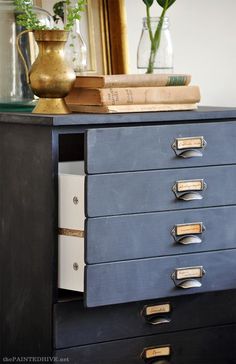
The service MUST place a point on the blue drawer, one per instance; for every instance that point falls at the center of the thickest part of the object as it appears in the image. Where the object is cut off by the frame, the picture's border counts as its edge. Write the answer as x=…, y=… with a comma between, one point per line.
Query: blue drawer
x=160, y=147
x=149, y=191
x=136, y=280
x=138, y=236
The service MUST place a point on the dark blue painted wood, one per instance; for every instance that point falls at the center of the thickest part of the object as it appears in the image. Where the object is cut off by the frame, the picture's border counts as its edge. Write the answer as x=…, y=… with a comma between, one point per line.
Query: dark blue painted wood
x=136, y=280
x=148, y=235
x=73, y=323
x=214, y=345
x=202, y=114
x=28, y=243
x=124, y=193
x=150, y=147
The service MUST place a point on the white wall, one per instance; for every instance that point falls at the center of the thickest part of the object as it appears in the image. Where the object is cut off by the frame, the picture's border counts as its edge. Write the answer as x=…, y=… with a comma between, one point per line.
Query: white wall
x=204, y=40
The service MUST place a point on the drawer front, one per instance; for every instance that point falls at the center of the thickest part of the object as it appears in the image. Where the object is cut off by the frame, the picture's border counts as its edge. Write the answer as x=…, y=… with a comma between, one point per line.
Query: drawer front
x=74, y=325
x=124, y=193
x=164, y=233
x=151, y=147
x=136, y=280
x=214, y=345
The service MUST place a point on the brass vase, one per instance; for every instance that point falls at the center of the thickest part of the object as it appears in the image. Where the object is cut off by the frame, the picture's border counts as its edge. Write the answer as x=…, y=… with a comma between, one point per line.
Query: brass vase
x=51, y=78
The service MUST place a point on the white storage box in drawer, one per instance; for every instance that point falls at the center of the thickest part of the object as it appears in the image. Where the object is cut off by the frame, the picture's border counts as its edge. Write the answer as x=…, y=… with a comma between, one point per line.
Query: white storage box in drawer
x=71, y=263
x=71, y=195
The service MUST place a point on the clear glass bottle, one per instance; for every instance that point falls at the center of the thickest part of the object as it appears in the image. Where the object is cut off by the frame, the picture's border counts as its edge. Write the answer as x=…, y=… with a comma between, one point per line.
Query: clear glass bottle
x=162, y=61
x=14, y=90
x=76, y=50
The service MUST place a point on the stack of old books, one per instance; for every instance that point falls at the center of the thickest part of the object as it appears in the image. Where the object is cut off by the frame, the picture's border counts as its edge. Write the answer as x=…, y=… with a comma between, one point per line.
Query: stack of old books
x=133, y=93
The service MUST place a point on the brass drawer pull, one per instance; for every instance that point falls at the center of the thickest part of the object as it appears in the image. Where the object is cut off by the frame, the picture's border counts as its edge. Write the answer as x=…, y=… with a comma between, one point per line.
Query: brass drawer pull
x=157, y=314
x=189, y=190
x=186, y=278
x=189, y=147
x=188, y=234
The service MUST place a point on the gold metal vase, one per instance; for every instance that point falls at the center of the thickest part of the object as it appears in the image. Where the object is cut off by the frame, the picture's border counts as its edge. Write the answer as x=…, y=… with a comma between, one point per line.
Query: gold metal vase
x=50, y=77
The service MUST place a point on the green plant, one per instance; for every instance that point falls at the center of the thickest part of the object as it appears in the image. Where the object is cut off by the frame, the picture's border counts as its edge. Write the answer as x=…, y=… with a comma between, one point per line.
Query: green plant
x=155, y=37
x=28, y=19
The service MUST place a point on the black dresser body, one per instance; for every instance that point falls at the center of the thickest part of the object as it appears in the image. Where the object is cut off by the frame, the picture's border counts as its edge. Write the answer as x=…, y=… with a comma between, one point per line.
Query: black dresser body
x=160, y=238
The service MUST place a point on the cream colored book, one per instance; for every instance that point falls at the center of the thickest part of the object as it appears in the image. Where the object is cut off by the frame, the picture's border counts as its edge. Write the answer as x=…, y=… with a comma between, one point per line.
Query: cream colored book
x=130, y=108
x=134, y=95
x=132, y=80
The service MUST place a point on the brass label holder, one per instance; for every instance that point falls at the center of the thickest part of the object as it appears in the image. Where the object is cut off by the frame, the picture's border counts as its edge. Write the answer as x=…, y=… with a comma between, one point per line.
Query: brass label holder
x=189, y=147
x=156, y=352
x=186, y=277
x=157, y=309
x=157, y=314
x=189, y=190
x=187, y=234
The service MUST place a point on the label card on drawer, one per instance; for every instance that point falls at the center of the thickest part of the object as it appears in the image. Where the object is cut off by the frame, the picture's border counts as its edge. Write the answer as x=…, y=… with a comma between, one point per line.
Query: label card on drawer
x=157, y=309
x=191, y=272
x=190, y=185
x=186, y=229
x=187, y=143
x=156, y=352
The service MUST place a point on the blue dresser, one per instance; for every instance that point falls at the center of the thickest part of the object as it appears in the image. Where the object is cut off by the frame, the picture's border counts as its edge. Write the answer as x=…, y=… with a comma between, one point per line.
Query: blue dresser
x=160, y=238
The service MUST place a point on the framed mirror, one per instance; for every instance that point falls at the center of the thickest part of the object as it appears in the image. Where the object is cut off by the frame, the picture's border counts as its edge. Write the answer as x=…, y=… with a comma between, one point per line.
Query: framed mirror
x=104, y=29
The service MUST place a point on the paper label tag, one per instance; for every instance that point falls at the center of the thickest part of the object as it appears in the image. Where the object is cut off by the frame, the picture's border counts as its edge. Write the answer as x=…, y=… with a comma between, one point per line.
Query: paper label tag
x=187, y=229
x=192, y=185
x=194, y=272
x=154, y=310
x=157, y=352
x=189, y=143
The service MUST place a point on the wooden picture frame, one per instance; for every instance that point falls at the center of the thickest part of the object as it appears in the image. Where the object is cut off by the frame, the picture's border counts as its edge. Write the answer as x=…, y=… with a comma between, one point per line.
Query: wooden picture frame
x=105, y=27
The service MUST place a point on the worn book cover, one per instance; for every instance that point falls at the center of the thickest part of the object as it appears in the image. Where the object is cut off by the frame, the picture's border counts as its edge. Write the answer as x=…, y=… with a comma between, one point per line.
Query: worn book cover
x=134, y=95
x=129, y=80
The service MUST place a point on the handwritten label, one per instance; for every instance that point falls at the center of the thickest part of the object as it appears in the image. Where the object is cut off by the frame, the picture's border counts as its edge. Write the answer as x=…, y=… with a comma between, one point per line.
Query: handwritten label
x=189, y=143
x=153, y=310
x=193, y=185
x=157, y=352
x=187, y=229
x=183, y=273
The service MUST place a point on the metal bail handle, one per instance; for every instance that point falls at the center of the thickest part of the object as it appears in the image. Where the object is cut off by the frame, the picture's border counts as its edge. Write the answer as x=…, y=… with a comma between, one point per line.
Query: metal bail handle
x=21, y=53
x=191, y=194
x=186, y=278
x=192, y=147
x=191, y=238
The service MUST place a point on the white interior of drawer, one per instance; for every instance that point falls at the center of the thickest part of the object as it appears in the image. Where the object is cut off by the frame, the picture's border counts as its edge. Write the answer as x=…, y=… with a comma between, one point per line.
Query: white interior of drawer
x=71, y=195
x=71, y=221
x=71, y=263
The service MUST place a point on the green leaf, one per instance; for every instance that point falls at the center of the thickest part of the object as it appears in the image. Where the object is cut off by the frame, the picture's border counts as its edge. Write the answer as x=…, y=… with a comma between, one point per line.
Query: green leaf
x=162, y=3
x=148, y=3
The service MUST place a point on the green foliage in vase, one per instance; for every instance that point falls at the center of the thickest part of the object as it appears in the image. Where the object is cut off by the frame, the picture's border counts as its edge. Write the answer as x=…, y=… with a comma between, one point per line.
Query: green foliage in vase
x=155, y=37
x=28, y=19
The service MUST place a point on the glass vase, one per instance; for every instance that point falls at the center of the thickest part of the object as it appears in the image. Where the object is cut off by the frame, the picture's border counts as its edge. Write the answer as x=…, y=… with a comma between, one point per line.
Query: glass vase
x=76, y=50
x=14, y=90
x=160, y=60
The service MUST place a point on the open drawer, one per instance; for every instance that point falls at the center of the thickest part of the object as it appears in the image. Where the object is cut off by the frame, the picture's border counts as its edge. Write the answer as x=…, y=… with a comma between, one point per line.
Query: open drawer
x=129, y=278
x=137, y=280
